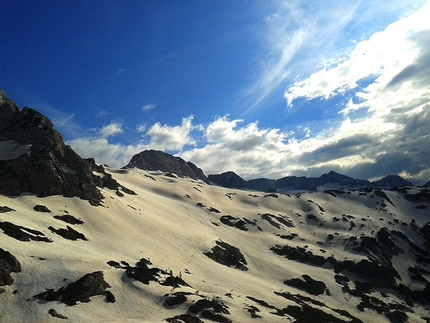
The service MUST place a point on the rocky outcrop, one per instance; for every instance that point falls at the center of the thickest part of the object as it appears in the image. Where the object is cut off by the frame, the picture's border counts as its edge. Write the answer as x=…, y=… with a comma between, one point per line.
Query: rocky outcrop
x=46, y=166
x=8, y=264
x=79, y=291
x=155, y=160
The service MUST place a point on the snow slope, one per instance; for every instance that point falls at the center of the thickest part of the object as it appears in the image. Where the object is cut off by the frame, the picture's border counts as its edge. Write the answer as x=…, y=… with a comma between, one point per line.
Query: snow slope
x=173, y=223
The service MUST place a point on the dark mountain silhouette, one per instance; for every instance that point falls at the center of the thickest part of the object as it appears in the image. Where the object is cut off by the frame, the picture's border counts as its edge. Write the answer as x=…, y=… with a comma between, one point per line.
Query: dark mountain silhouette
x=45, y=165
x=391, y=181
x=232, y=180
x=155, y=160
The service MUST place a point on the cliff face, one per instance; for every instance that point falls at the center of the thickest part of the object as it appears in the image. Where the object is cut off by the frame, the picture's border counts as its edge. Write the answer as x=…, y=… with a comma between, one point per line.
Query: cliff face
x=35, y=158
x=154, y=160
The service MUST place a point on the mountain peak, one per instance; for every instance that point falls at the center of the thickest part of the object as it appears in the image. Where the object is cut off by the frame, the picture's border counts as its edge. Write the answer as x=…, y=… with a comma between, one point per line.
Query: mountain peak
x=392, y=181
x=154, y=160
x=45, y=165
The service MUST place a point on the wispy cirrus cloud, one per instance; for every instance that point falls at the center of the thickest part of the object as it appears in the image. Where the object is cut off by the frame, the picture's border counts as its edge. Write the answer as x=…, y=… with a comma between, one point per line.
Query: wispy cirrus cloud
x=148, y=107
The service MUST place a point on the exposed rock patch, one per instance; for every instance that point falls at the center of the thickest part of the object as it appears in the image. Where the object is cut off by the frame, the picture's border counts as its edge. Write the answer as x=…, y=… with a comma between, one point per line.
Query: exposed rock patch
x=227, y=255
x=54, y=313
x=8, y=264
x=68, y=219
x=307, y=284
x=22, y=233
x=68, y=233
x=80, y=291
x=41, y=208
x=5, y=209
x=211, y=309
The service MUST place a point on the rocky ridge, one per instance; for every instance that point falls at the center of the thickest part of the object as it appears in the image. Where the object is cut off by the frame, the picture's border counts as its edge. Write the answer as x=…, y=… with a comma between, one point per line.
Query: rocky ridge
x=35, y=159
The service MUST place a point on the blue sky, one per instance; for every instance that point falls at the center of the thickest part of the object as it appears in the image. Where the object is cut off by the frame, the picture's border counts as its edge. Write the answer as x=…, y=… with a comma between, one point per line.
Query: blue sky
x=263, y=88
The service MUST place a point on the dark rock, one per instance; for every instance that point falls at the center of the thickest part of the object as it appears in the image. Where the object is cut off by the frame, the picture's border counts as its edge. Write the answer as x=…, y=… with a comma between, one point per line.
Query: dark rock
x=69, y=233
x=154, y=160
x=341, y=280
x=145, y=275
x=50, y=167
x=114, y=264
x=384, y=195
x=80, y=291
x=41, y=208
x=186, y=318
x=4, y=209
x=68, y=219
x=253, y=310
x=306, y=314
x=174, y=281
x=211, y=309
x=235, y=222
x=307, y=284
x=54, y=313
x=22, y=233
x=175, y=299
x=299, y=254
x=8, y=264
x=214, y=210
x=110, y=298
x=271, y=195
x=397, y=317
x=227, y=255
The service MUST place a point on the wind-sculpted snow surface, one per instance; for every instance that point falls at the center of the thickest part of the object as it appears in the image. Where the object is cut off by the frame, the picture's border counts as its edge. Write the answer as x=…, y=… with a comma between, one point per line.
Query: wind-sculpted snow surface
x=184, y=251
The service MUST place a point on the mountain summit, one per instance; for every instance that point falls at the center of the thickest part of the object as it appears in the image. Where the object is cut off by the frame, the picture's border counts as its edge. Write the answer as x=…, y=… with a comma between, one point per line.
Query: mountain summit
x=34, y=158
x=154, y=160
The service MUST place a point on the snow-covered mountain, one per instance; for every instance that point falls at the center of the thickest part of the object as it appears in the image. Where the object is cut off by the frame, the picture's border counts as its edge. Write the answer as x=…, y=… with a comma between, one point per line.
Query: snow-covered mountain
x=152, y=247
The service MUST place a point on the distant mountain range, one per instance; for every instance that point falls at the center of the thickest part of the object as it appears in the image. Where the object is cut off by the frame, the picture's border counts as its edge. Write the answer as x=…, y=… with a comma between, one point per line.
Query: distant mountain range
x=232, y=180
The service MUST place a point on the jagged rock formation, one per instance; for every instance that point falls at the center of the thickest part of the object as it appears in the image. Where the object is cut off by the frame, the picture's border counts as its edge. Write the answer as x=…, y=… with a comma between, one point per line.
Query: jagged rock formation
x=35, y=159
x=232, y=180
x=155, y=160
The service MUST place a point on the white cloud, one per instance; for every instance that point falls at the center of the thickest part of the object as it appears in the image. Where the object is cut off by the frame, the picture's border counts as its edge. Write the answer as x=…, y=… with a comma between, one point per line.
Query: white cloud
x=164, y=137
x=141, y=128
x=291, y=37
x=113, y=129
x=115, y=155
x=382, y=56
x=101, y=114
x=148, y=107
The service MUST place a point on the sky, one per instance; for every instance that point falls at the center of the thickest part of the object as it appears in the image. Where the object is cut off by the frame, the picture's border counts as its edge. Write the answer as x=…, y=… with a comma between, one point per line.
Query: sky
x=262, y=88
